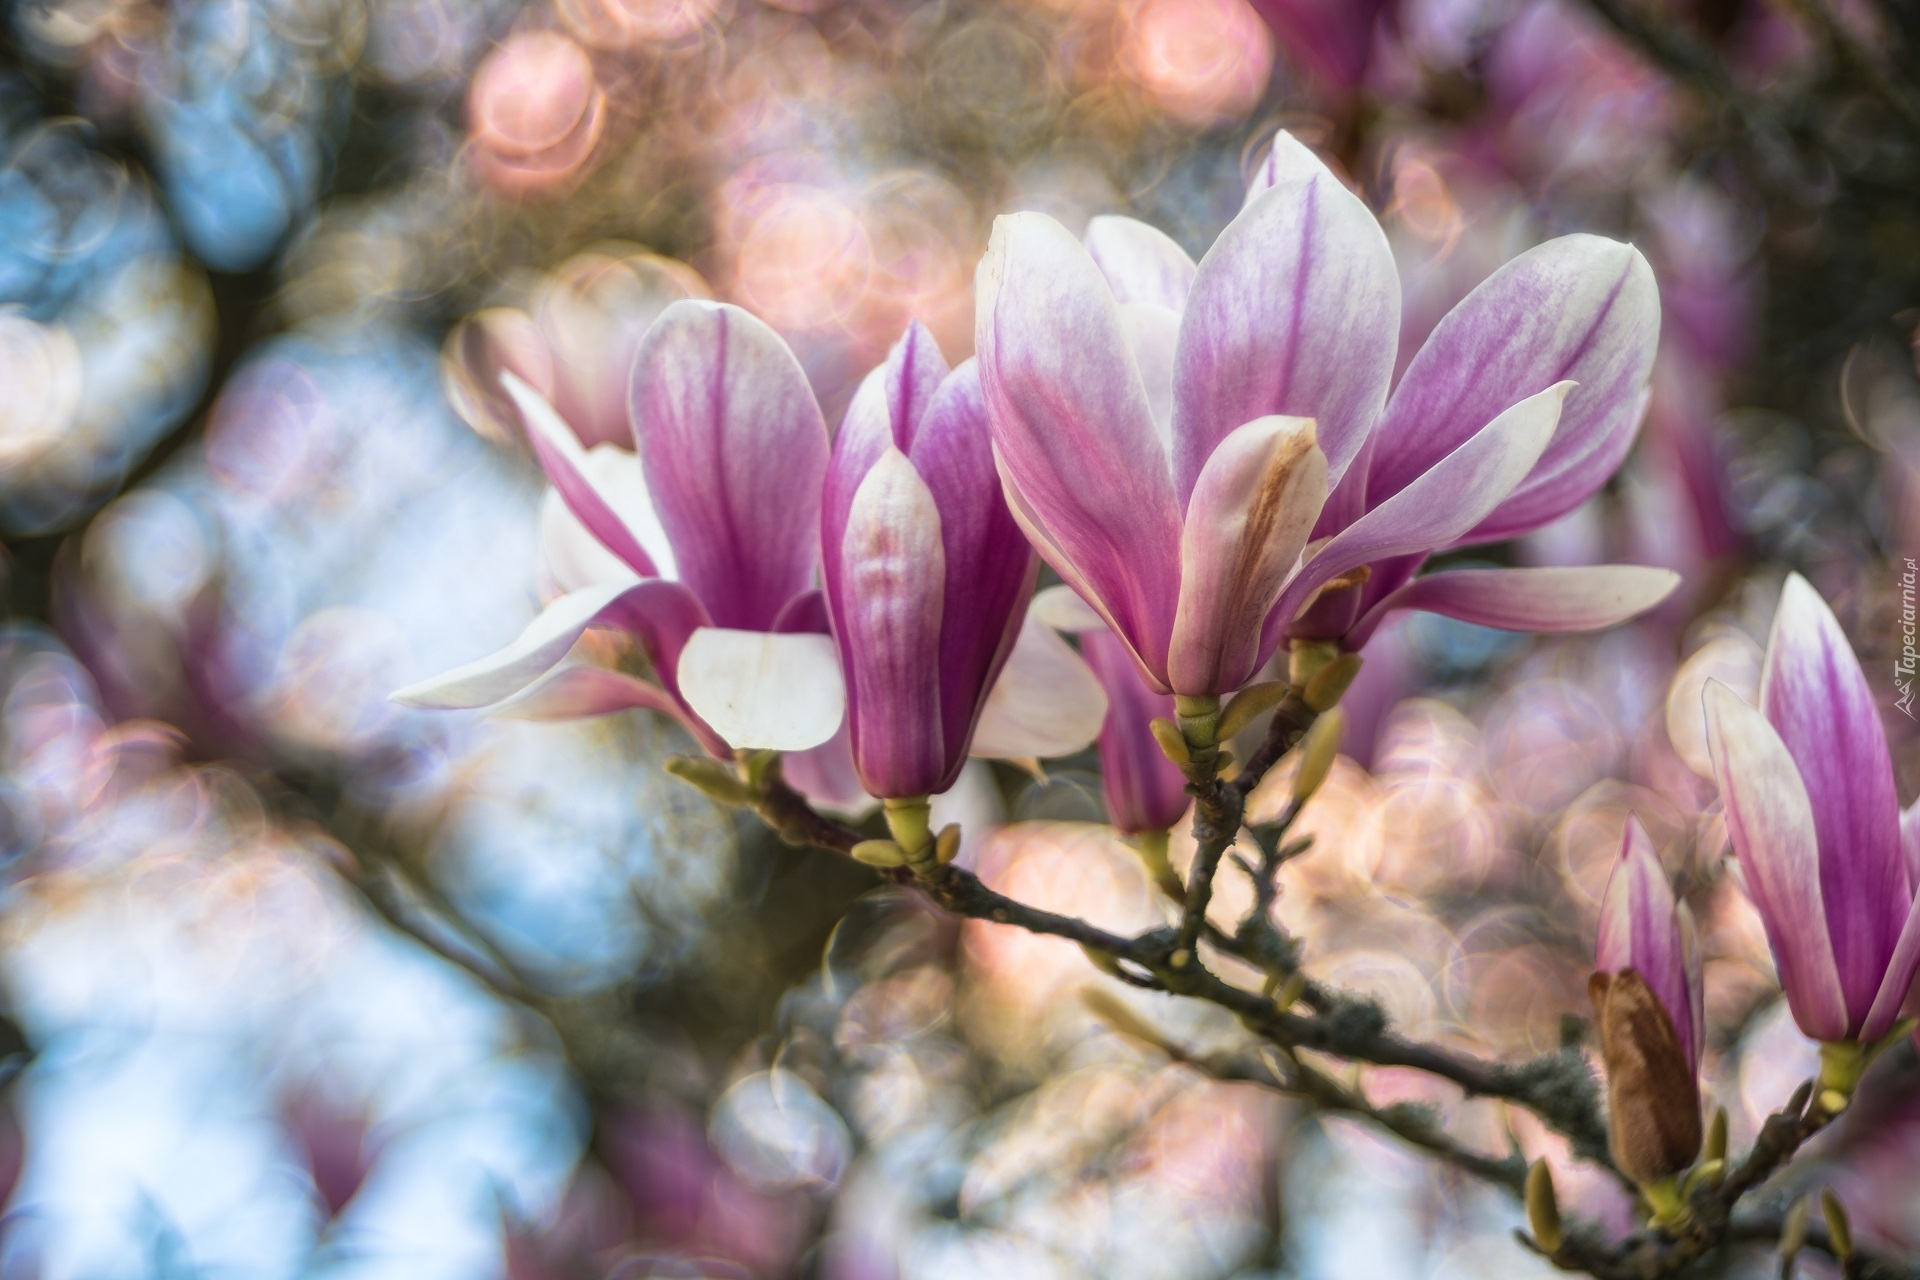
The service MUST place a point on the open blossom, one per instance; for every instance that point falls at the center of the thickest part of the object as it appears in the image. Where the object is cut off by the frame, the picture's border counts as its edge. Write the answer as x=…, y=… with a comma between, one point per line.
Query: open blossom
x=1648, y=1007
x=927, y=583
x=1171, y=436
x=1828, y=858
x=712, y=527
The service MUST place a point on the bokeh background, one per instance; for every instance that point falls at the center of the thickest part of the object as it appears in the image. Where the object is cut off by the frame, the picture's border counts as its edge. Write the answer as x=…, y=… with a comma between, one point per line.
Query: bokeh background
x=298, y=983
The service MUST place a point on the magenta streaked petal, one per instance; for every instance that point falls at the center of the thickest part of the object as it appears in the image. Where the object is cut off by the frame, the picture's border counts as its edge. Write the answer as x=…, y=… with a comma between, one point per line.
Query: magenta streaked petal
x=1246, y=523
x=1585, y=598
x=1640, y=929
x=1061, y=608
x=888, y=611
x=599, y=487
x=759, y=690
x=1897, y=984
x=735, y=452
x=826, y=777
x=1046, y=702
x=915, y=369
x=1294, y=311
x=1144, y=791
x=1770, y=823
x=576, y=691
x=535, y=651
x=1580, y=309
x=1073, y=432
x=1450, y=497
x=990, y=565
x=1817, y=699
x=1141, y=263
x=1910, y=842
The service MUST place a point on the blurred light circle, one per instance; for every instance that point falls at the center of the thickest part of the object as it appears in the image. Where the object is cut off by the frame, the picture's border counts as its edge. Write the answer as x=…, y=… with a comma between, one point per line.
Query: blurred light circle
x=41, y=370
x=330, y=686
x=804, y=262
x=535, y=112
x=159, y=547
x=777, y=1134
x=623, y=24
x=1734, y=660
x=1204, y=61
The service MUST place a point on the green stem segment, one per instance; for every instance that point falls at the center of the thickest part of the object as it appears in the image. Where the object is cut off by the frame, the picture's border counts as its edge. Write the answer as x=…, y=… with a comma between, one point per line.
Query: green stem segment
x=1663, y=1197
x=1842, y=1063
x=1199, y=719
x=910, y=822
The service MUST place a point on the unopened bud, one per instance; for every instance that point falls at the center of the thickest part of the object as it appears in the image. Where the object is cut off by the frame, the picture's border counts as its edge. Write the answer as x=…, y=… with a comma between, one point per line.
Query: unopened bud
x=1543, y=1208
x=1251, y=702
x=1715, y=1147
x=1705, y=1174
x=711, y=777
x=946, y=845
x=1317, y=751
x=1121, y=1017
x=1325, y=690
x=1839, y=1230
x=1290, y=992
x=1173, y=743
x=1653, y=1095
x=879, y=853
x=1793, y=1232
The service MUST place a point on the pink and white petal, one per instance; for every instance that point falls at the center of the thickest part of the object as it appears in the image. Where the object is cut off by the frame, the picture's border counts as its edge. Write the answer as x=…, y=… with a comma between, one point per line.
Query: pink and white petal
x=535, y=651
x=1584, y=598
x=736, y=453
x=1154, y=334
x=759, y=690
x=888, y=610
x=1770, y=823
x=1060, y=607
x=1640, y=929
x=1295, y=310
x=1580, y=309
x=915, y=369
x=1910, y=840
x=1449, y=498
x=1818, y=700
x=973, y=801
x=1141, y=262
x=1046, y=703
x=1897, y=984
x=1249, y=517
x=826, y=777
x=570, y=557
x=1073, y=430
x=576, y=691
x=608, y=496
x=866, y=432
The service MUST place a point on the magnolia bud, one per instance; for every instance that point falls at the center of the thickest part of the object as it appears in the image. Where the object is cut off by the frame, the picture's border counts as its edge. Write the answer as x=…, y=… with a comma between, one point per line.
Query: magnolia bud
x=1173, y=743
x=1839, y=1230
x=1252, y=701
x=1543, y=1208
x=1793, y=1232
x=1325, y=690
x=946, y=845
x=1317, y=751
x=880, y=853
x=710, y=776
x=1653, y=1099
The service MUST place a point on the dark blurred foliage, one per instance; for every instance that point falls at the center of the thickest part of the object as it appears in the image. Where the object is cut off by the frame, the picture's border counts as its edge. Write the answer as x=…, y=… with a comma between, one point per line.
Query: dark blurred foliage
x=315, y=986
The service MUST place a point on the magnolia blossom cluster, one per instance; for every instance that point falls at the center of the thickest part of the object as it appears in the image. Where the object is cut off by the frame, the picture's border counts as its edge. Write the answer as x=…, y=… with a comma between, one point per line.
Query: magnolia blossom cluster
x=1207, y=454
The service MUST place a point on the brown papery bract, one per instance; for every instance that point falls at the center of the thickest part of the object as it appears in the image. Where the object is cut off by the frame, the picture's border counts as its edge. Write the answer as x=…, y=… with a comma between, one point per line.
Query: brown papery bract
x=1653, y=1099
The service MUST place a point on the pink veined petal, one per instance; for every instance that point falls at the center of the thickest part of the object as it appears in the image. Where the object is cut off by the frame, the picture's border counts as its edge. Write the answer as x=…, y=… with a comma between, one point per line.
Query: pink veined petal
x=593, y=485
x=1245, y=526
x=1640, y=929
x=575, y=691
x=1046, y=702
x=990, y=565
x=1586, y=598
x=1771, y=825
x=1154, y=334
x=570, y=557
x=1817, y=699
x=1897, y=983
x=1294, y=311
x=1061, y=608
x=1449, y=498
x=1580, y=309
x=1144, y=791
x=1073, y=431
x=826, y=777
x=536, y=650
x=1910, y=841
x=735, y=451
x=888, y=610
x=759, y=690
x=915, y=369
x=1141, y=262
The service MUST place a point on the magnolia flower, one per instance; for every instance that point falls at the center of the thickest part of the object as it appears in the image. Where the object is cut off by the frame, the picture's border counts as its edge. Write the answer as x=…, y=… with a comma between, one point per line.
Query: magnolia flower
x=1169, y=435
x=1145, y=792
x=1827, y=856
x=927, y=583
x=1647, y=1001
x=712, y=526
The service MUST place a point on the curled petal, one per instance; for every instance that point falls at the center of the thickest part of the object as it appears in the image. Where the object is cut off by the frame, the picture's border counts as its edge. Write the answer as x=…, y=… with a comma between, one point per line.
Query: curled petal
x=1046, y=703
x=1296, y=311
x=1581, y=309
x=1586, y=598
x=605, y=488
x=570, y=557
x=887, y=610
x=1073, y=432
x=535, y=651
x=1640, y=929
x=1816, y=697
x=735, y=451
x=575, y=691
x=1247, y=521
x=1770, y=823
x=1450, y=498
x=1142, y=263
x=761, y=690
